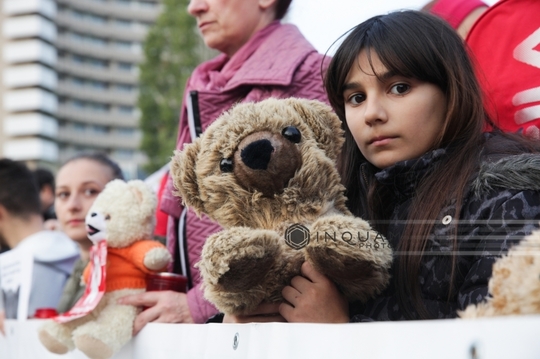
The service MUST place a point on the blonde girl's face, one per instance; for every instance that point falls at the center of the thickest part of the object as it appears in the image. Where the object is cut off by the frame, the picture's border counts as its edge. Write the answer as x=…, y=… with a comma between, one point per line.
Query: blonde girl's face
x=77, y=185
x=392, y=118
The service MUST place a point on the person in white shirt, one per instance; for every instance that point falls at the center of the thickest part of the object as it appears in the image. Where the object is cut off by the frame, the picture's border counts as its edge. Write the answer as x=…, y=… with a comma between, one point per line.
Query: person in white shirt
x=21, y=226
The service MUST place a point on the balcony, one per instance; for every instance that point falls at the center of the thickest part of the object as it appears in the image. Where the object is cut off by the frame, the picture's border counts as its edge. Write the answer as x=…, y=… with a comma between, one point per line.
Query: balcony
x=30, y=124
x=105, y=74
x=107, y=52
x=97, y=95
x=29, y=51
x=30, y=100
x=105, y=30
x=31, y=149
x=114, y=10
x=29, y=26
x=96, y=139
x=96, y=118
x=46, y=8
x=30, y=76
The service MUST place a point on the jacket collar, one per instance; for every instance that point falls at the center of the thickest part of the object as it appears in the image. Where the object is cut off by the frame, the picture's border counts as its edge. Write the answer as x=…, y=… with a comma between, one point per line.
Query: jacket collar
x=405, y=175
x=269, y=58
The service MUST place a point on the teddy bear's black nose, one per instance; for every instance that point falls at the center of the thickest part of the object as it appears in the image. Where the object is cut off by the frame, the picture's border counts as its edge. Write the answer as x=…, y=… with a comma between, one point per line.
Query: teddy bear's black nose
x=93, y=214
x=257, y=154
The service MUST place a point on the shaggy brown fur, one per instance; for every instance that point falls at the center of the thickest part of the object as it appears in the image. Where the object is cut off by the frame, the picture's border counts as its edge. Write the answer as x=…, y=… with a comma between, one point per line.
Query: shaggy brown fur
x=515, y=284
x=259, y=169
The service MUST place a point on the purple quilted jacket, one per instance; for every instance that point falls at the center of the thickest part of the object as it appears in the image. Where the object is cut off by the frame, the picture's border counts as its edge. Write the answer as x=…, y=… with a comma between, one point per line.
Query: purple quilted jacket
x=277, y=62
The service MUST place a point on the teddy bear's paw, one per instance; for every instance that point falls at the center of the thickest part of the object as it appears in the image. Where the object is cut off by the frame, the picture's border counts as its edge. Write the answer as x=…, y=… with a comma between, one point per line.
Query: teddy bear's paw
x=157, y=258
x=357, y=278
x=93, y=347
x=239, y=258
x=51, y=343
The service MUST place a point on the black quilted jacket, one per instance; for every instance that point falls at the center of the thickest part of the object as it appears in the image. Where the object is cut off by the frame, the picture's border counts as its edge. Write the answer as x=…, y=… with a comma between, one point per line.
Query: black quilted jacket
x=500, y=208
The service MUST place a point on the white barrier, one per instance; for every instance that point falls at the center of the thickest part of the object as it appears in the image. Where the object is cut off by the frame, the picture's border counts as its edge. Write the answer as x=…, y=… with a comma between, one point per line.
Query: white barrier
x=504, y=338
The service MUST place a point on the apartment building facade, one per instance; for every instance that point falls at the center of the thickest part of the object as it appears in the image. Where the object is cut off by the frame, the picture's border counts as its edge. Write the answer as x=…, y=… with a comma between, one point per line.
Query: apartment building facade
x=69, y=74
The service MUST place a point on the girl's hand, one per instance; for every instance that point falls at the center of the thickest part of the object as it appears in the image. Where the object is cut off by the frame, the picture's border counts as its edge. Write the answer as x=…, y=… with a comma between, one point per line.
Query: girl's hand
x=266, y=312
x=313, y=298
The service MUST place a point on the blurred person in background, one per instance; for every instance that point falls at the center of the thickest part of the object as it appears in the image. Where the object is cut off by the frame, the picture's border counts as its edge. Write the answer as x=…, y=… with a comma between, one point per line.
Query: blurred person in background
x=45, y=182
x=21, y=226
x=460, y=14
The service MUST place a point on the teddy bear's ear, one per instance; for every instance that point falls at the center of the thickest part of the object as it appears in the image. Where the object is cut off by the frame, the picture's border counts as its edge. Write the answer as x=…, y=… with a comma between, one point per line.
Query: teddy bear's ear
x=183, y=167
x=323, y=122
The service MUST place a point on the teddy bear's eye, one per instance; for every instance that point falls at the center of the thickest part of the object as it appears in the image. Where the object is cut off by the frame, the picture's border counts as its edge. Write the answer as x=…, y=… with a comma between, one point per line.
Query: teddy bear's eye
x=226, y=165
x=107, y=217
x=292, y=134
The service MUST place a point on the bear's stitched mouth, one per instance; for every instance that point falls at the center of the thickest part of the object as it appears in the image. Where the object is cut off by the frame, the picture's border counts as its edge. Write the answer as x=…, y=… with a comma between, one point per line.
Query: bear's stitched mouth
x=91, y=230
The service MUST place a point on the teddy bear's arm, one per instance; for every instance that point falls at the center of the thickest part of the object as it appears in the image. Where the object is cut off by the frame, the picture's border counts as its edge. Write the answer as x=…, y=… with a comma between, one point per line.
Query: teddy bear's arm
x=242, y=267
x=149, y=255
x=351, y=254
x=157, y=258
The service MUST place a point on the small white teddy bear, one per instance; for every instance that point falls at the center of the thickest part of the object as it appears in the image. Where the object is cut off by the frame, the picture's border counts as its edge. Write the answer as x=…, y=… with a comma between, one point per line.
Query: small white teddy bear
x=122, y=215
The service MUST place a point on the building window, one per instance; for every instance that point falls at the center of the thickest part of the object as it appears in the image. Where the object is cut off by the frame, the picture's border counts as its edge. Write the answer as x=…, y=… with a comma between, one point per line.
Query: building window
x=123, y=44
x=122, y=23
x=125, y=109
x=79, y=127
x=125, y=131
x=100, y=129
x=90, y=61
x=124, y=154
x=124, y=87
x=125, y=66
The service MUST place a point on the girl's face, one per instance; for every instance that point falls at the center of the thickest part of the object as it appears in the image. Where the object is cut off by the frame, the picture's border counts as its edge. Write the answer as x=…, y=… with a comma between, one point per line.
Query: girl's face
x=77, y=185
x=392, y=119
x=226, y=25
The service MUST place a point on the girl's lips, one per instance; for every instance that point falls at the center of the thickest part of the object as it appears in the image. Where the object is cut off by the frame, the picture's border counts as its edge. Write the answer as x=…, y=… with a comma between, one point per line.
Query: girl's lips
x=381, y=141
x=75, y=222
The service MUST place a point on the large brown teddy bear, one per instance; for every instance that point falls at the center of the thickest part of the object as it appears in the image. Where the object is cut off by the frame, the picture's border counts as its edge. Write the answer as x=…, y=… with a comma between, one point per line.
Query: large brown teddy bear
x=515, y=285
x=266, y=172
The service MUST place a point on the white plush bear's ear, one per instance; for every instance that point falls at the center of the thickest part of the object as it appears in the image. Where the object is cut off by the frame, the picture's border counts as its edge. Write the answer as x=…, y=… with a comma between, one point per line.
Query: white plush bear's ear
x=183, y=173
x=323, y=122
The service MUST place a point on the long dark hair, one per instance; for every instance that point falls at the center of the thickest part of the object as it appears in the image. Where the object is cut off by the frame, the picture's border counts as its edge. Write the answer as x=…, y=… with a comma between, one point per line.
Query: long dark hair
x=420, y=46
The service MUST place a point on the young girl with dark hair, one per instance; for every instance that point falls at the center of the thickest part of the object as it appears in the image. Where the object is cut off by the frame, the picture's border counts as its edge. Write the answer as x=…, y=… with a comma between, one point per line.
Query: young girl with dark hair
x=417, y=165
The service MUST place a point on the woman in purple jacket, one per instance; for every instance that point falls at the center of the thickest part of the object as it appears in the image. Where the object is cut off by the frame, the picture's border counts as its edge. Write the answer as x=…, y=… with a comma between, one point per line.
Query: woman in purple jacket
x=260, y=58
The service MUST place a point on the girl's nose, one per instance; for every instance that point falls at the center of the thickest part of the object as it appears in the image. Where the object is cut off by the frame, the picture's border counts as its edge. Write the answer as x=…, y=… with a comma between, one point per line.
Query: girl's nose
x=74, y=203
x=374, y=111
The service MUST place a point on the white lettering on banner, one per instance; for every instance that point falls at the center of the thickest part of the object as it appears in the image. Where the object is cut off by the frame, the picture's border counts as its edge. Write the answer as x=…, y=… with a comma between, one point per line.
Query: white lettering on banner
x=527, y=96
x=527, y=114
x=525, y=52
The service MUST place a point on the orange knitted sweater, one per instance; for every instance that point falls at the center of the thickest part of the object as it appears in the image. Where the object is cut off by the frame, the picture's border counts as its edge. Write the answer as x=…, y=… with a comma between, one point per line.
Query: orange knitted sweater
x=125, y=266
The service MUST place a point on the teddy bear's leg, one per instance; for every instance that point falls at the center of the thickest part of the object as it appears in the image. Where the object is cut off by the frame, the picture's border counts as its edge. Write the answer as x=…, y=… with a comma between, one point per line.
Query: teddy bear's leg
x=111, y=329
x=351, y=254
x=57, y=337
x=235, y=266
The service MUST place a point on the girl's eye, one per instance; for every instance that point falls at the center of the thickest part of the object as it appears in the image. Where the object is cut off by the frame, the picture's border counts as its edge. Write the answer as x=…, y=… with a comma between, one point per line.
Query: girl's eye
x=356, y=99
x=400, y=89
x=90, y=192
x=62, y=195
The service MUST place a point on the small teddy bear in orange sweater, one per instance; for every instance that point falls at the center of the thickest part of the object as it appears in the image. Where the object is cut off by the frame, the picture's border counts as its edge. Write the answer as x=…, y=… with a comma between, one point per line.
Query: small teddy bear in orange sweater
x=123, y=215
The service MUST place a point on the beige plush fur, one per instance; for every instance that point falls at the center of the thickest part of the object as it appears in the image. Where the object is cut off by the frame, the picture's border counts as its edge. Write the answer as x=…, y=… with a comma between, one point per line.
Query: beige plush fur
x=515, y=285
x=272, y=181
x=128, y=211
